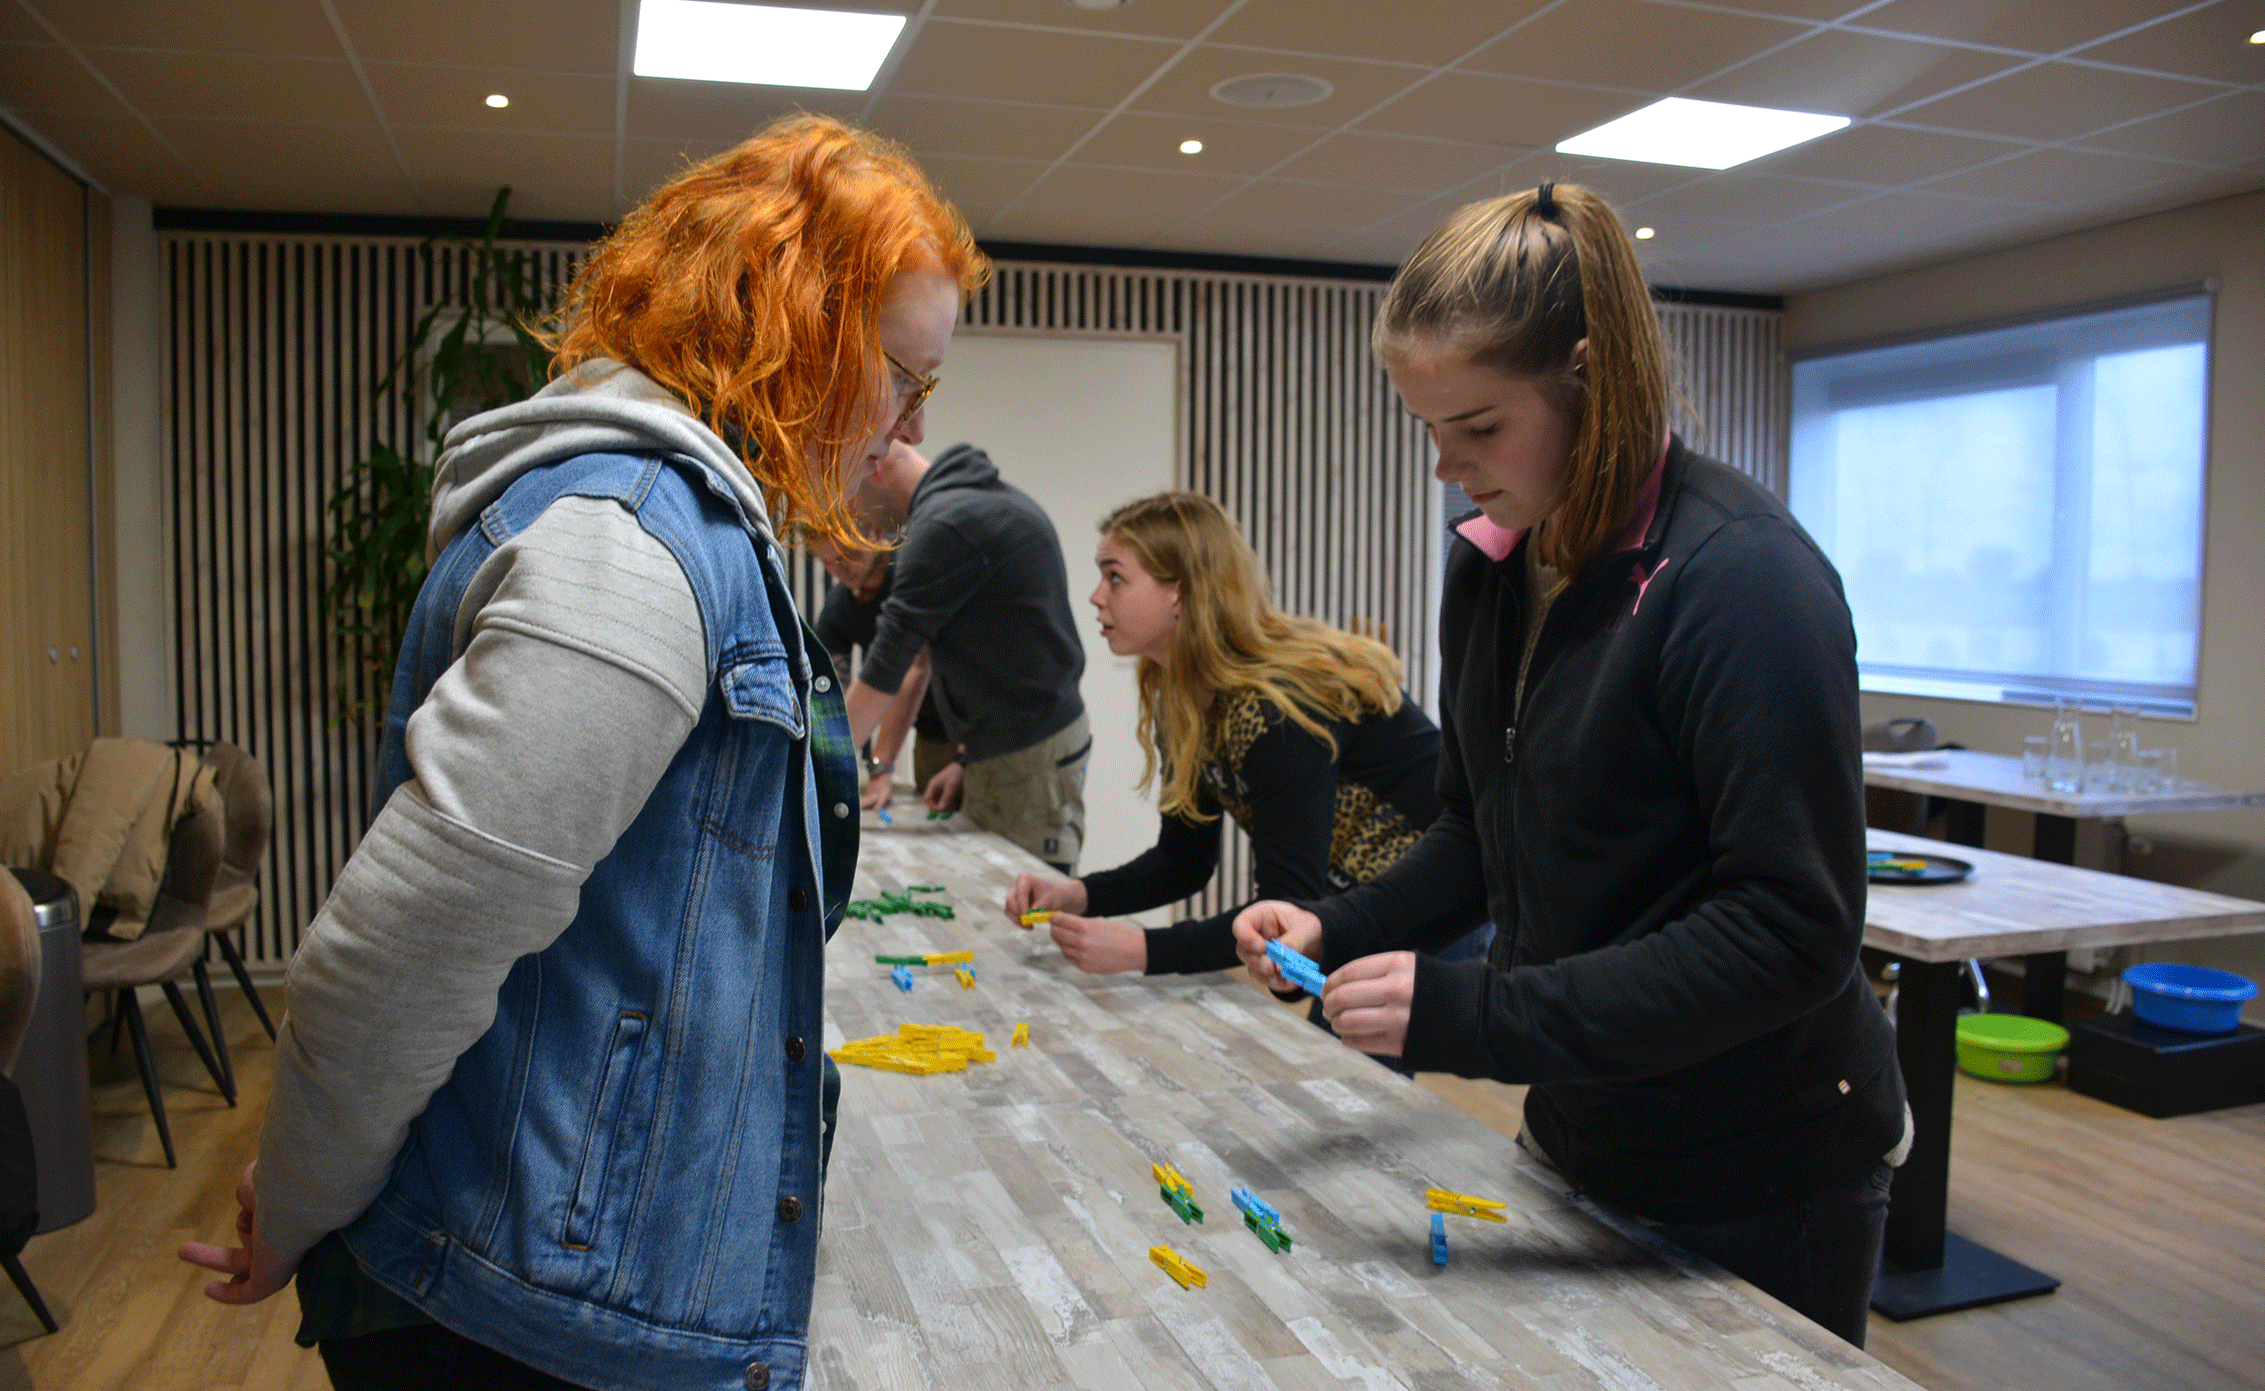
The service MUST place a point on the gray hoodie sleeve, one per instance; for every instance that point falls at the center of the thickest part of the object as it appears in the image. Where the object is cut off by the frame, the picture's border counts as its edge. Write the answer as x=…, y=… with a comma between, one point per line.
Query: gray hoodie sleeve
x=937, y=571
x=581, y=669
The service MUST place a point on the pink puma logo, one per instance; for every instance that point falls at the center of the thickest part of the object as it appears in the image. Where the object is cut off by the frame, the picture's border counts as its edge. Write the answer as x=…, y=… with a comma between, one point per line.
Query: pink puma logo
x=1644, y=581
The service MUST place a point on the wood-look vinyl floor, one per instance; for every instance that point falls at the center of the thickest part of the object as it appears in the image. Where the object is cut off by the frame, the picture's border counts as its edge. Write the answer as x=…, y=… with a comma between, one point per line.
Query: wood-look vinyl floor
x=2156, y=1227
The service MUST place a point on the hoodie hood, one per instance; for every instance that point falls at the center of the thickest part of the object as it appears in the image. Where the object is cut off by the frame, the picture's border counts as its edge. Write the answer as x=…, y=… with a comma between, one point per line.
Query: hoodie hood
x=600, y=407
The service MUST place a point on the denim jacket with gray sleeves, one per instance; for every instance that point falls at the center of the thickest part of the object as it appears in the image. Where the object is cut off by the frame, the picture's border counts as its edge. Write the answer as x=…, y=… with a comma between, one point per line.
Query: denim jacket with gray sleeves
x=620, y=1182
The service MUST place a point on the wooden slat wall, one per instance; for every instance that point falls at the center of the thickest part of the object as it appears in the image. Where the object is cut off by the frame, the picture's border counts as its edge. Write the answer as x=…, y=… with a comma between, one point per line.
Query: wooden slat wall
x=52, y=375
x=1730, y=367
x=277, y=340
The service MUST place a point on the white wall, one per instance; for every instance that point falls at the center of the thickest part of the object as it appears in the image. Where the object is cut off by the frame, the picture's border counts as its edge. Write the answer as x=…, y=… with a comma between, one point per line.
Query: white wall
x=1083, y=425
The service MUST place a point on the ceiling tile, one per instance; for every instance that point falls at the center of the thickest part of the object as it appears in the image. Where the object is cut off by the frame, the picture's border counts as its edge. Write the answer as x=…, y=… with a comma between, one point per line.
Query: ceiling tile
x=556, y=200
x=1229, y=147
x=1186, y=89
x=647, y=164
x=2230, y=130
x=45, y=77
x=217, y=148
x=2210, y=42
x=1001, y=130
x=1801, y=9
x=318, y=193
x=665, y=109
x=1109, y=207
x=1431, y=32
x=1358, y=159
x=1171, y=19
x=1887, y=155
x=1310, y=205
x=1368, y=248
x=103, y=141
x=206, y=26
x=973, y=60
x=1855, y=75
x=457, y=97
x=18, y=27
x=2058, y=176
x=1230, y=238
x=527, y=160
x=981, y=187
x=1745, y=198
x=1915, y=215
x=547, y=35
x=1651, y=48
x=2053, y=101
x=237, y=86
x=2033, y=26
x=1467, y=106
x=1621, y=181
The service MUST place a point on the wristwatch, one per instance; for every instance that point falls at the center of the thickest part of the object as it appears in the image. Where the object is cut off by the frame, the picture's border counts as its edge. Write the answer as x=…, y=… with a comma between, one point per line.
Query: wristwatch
x=874, y=767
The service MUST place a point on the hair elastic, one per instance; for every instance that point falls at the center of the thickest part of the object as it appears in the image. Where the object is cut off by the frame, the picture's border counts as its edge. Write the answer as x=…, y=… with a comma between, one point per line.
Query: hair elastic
x=1545, y=201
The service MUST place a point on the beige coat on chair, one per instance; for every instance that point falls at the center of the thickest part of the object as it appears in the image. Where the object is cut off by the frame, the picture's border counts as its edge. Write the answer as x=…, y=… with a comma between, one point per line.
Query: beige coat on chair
x=101, y=820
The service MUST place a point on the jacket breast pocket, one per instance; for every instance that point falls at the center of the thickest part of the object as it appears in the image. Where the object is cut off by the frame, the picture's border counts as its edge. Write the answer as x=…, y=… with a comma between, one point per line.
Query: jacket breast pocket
x=755, y=683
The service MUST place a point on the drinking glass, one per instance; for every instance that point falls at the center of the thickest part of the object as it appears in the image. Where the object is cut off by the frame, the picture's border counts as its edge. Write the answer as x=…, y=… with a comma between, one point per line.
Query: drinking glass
x=2150, y=778
x=2033, y=747
x=2123, y=748
x=2064, y=756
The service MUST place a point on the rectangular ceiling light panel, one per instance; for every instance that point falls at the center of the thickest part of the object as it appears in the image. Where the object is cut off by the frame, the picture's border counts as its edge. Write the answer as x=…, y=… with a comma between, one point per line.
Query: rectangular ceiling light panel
x=767, y=44
x=1698, y=134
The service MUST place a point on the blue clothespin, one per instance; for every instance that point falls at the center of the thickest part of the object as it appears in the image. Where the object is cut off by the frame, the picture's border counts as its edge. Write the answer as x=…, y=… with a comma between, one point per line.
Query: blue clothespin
x=883, y=813
x=902, y=975
x=1296, y=968
x=1439, y=1238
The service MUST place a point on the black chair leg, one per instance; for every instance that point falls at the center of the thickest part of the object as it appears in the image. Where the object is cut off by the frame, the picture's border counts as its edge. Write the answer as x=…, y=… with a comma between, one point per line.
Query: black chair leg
x=117, y=1023
x=131, y=1009
x=212, y=1024
x=180, y=1005
x=235, y=961
x=28, y=1290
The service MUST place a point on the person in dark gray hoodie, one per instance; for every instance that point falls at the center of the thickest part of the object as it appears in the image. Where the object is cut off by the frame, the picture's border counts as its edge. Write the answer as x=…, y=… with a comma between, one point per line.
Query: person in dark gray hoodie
x=980, y=582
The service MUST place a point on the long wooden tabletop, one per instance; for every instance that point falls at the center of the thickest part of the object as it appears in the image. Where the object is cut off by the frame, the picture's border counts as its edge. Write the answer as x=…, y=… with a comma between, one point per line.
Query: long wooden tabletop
x=2013, y=905
x=1996, y=779
x=989, y=1230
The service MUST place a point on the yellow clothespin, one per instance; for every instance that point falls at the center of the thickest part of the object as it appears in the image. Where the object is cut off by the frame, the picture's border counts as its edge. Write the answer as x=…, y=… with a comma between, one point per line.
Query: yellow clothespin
x=1169, y=1177
x=1463, y=1205
x=946, y=958
x=1021, y=1036
x=966, y=978
x=1176, y=1266
x=1036, y=917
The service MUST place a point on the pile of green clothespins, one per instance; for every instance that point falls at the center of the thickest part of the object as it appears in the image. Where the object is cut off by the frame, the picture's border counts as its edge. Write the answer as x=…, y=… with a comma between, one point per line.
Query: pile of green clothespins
x=875, y=909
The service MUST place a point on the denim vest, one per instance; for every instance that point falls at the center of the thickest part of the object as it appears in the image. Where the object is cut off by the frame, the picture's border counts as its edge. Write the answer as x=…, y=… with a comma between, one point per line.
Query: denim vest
x=620, y=1182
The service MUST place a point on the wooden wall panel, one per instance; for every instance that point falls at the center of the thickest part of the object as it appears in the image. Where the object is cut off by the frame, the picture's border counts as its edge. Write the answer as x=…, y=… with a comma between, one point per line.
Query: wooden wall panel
x=102, y=482
x=47, y=654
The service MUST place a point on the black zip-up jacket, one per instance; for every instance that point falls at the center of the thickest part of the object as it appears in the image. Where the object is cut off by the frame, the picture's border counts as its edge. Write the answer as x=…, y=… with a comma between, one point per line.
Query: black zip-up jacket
x=1669, y=836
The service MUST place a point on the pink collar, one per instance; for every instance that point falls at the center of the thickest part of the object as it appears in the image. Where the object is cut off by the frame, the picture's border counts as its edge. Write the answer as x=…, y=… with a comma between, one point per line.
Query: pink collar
x=1498, y=542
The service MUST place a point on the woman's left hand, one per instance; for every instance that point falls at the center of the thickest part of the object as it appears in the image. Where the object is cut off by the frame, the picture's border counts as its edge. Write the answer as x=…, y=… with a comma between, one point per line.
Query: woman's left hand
x=1367, y=1002
x=1099, y=946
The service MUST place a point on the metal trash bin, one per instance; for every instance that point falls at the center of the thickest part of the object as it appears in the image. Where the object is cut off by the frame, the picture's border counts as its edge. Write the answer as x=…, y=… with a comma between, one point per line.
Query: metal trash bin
x=51, y=1070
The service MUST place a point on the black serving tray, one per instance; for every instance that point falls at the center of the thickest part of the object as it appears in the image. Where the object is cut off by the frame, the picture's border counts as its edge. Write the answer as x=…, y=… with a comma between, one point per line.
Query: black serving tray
x=1940, y=869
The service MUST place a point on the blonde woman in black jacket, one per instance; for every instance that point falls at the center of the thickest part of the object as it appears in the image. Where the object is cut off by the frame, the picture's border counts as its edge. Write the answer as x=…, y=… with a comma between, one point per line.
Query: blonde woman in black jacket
x=1650, y=778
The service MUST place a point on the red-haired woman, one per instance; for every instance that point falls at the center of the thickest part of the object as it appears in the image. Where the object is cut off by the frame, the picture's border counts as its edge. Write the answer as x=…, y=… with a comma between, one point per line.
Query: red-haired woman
x=550, y=1107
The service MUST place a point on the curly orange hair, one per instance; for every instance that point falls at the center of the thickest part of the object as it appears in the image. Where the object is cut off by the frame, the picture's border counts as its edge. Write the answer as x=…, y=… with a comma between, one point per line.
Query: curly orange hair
x=750, y=286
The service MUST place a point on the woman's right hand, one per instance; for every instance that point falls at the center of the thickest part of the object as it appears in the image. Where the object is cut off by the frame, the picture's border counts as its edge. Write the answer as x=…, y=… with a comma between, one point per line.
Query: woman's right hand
x=1271, y=921
x=1036, y=893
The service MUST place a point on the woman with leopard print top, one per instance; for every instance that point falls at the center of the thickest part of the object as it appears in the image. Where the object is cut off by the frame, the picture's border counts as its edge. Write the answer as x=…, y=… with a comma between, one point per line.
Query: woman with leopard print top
x=1298, y=731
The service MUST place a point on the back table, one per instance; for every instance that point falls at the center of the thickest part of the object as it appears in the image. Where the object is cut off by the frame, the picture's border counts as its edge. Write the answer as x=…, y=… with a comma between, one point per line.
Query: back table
x=990, y=1228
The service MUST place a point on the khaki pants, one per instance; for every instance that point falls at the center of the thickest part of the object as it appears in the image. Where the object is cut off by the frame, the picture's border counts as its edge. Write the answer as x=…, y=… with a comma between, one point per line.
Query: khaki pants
x=928, y=759
x=1035, y=797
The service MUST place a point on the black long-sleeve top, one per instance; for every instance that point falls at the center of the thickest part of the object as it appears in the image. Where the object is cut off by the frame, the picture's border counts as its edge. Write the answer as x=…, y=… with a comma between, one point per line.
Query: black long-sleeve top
x=1318, y=822
x=1669, y=835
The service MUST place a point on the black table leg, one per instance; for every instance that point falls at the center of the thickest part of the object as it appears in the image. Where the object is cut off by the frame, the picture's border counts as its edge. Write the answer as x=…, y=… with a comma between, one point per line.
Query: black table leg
x=2054, y=839
x=1963, y=821
x=1928, y=1270
x=2044, y=979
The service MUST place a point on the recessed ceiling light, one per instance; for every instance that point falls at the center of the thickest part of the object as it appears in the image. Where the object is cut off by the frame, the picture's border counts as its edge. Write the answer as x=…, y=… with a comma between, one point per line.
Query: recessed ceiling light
x=1097, y=4
x=1700, y=134
x=1191, y=147
x=1645, y=234
x=765, y=44
x=498, y=100
x=2258, y=37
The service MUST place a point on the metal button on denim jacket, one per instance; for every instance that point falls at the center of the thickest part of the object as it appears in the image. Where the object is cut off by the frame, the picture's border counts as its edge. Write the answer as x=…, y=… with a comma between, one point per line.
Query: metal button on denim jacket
x=603, y=1187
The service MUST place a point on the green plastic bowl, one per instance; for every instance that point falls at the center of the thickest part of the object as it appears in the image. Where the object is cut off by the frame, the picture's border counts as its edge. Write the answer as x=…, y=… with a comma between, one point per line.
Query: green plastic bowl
x=2009, y=1047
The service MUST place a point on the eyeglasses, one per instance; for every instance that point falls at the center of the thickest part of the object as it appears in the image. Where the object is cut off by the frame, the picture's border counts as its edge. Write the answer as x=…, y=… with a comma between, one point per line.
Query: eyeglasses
x=922, y=388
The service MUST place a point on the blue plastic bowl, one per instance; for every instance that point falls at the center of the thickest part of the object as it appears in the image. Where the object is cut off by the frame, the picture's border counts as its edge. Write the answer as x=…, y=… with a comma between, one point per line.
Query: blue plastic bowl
x=2190, y=999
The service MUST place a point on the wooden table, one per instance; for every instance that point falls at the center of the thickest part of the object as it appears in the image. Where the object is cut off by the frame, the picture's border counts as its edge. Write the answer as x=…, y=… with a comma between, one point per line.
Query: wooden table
x=2011, y=906
x=1971, y=780
x=990, y=1228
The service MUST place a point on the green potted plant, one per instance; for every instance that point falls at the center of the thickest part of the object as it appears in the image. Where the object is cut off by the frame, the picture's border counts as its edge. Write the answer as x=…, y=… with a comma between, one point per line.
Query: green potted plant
x=462, y=357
